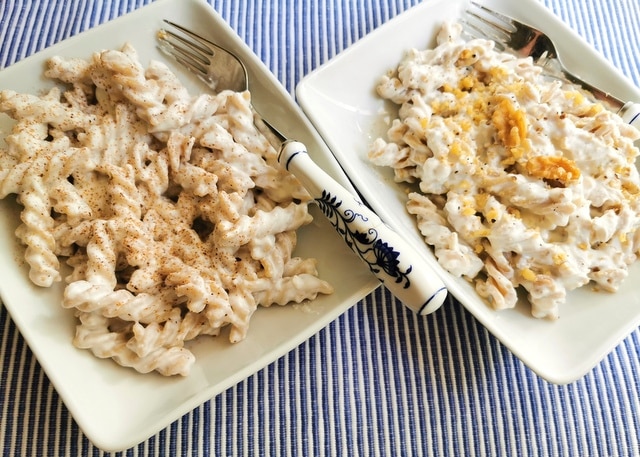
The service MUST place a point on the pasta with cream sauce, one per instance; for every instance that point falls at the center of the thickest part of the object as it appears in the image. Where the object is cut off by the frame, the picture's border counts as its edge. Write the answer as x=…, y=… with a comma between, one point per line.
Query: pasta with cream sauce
x=521, y=181
x=170, y=209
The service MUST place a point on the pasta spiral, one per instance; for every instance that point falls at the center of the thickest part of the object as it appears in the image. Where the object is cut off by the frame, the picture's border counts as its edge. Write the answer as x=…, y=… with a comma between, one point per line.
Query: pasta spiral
x=170, y=209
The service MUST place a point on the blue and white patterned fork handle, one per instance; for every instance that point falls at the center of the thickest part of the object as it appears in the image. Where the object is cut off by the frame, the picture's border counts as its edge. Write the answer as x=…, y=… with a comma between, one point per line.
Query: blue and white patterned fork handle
x=630, y=112
x=394, y=262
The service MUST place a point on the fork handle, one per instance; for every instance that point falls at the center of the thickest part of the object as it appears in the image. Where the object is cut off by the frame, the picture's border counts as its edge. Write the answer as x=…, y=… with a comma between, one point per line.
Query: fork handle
x=630, y=112
x=389, y=256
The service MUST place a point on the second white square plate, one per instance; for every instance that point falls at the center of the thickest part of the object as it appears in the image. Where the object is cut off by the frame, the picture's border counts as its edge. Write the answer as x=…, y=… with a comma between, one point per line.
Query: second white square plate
x=340, y=100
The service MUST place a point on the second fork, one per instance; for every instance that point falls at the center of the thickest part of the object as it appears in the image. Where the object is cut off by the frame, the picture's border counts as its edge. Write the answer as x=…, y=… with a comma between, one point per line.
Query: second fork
x=525, y=40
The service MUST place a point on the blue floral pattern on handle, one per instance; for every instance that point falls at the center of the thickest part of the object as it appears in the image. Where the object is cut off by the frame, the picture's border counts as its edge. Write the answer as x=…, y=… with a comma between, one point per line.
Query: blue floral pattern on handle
x=387, y=254
x=363, y=243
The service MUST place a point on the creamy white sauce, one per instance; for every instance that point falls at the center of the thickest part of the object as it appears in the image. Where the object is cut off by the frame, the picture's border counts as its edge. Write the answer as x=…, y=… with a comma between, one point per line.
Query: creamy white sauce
x=524, y=181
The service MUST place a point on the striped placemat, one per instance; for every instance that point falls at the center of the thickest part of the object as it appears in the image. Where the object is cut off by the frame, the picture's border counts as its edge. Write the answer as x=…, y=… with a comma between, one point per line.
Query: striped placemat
x=379, y=380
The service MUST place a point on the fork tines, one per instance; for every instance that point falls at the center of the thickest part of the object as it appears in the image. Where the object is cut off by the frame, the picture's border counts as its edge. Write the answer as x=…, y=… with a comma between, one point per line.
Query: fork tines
x=479, y=21
x=188, y=52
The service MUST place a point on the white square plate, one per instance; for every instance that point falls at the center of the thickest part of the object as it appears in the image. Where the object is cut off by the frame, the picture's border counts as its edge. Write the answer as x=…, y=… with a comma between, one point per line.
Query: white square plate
x=115, y=407
x=340, y=100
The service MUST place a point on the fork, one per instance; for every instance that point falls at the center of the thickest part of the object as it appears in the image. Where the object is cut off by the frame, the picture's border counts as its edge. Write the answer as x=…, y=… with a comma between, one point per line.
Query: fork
x=390, y=257
x=525, y=40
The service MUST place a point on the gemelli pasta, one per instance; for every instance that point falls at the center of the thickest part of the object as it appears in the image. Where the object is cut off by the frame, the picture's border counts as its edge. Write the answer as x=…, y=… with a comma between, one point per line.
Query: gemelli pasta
x=522, y=181
x=170, y=209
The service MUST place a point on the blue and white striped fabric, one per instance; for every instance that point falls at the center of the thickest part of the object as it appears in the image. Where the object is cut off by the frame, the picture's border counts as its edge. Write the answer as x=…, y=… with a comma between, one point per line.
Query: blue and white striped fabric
x=362, y=386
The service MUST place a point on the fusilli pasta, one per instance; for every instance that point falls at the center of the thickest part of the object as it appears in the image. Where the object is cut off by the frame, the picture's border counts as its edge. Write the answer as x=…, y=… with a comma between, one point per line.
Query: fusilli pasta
x=171, y=210
x=521, y=181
